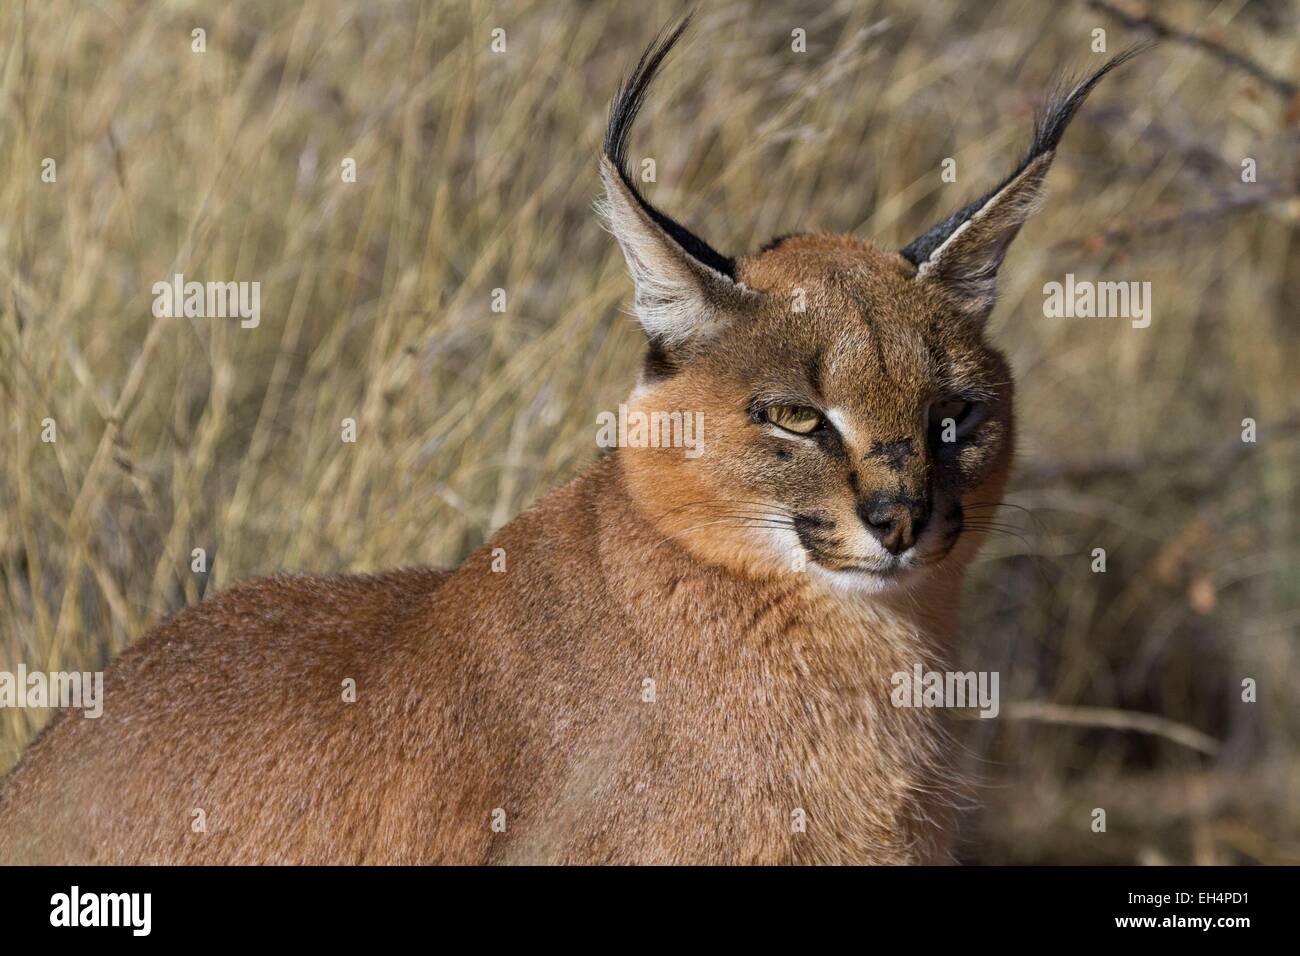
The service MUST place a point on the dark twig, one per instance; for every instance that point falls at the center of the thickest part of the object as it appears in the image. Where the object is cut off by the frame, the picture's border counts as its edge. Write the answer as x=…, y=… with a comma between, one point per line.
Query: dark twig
x=1155, y=225
x=1158, y=28
x=1219, y=458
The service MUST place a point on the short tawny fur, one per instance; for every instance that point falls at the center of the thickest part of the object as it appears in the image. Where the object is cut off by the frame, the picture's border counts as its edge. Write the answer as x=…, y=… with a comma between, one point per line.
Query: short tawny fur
x=523, y=691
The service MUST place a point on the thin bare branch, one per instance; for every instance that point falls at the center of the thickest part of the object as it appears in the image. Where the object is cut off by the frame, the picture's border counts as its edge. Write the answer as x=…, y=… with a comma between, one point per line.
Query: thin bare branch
x=1135, y=19
x=1110, y=718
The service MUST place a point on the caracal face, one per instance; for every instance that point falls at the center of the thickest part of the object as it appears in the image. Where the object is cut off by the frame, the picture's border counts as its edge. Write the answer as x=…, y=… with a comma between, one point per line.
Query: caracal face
x=851, y=416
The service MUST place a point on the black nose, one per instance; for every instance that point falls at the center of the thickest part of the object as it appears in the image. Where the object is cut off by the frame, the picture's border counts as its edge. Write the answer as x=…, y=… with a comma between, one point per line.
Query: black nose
x=895, y=520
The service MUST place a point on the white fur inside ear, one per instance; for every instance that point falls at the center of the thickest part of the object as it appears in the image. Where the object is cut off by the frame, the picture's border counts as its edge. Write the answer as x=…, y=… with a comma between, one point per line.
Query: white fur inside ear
x=968, y=260
x=673, y=300
x=928, y=265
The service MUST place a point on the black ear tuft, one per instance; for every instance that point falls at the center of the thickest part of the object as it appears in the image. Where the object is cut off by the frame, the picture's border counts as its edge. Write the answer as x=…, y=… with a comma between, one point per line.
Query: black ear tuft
x=622, y=114
x=1049, y=127
x=1060, y=108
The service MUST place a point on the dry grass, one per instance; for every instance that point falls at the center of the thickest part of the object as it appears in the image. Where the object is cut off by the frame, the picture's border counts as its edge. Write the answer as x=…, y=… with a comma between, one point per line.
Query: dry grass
x=477, y=171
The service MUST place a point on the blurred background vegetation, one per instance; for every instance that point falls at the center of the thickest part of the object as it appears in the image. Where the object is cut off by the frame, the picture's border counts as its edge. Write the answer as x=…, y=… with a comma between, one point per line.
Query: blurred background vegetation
x=476, y=170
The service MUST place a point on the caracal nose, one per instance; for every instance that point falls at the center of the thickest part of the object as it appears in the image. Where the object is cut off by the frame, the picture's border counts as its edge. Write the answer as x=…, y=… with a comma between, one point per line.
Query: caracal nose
x=895, y=521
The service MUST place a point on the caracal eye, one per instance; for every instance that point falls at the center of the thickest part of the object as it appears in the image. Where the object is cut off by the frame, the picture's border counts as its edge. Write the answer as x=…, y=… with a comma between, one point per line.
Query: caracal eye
x=955, y=408
x=800, y=419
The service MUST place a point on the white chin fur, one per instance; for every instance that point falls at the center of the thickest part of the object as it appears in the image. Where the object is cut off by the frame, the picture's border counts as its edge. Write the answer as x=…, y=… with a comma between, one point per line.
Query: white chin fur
x=862, y=582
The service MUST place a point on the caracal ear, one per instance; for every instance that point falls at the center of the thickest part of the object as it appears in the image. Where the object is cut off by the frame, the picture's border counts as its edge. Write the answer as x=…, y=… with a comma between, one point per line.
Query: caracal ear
x=967, y=262
x=685, y=289
x=679, y=299
x=964, y=252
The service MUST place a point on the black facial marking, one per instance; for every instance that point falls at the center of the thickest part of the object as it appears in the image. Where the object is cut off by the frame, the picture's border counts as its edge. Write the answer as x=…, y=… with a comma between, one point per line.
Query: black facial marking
x=783, y=455
x=658, y=363
x=815, y=373
x=879, y=346
x=830, y=441
x=893, y=454
x=814, y=532
x=956, y=519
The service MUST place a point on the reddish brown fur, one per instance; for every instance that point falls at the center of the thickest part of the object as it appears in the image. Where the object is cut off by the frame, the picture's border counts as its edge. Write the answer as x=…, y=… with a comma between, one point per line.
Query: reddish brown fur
x=523, y=691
